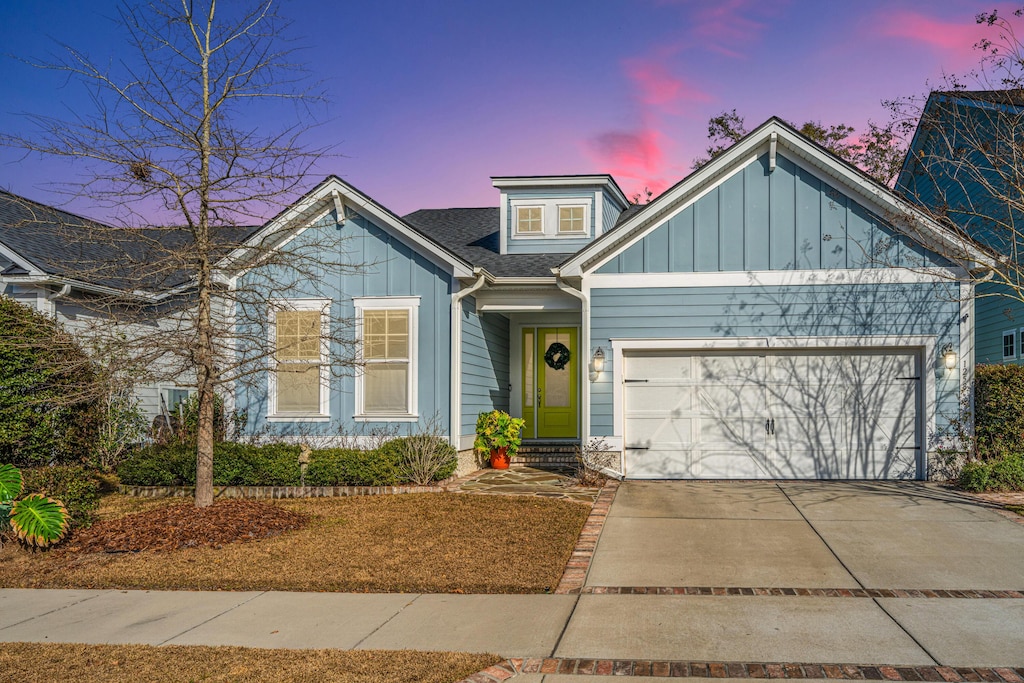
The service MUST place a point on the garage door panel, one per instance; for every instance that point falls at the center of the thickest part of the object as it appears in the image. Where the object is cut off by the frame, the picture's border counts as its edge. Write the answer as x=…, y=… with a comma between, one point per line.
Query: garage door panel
x=814, y=414
x=674, y=432
x=661, y=367
x=661, y=398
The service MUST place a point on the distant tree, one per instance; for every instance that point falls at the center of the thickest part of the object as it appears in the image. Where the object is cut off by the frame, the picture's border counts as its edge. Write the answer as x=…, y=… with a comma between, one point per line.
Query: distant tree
x=176, y=150
x=879, y=151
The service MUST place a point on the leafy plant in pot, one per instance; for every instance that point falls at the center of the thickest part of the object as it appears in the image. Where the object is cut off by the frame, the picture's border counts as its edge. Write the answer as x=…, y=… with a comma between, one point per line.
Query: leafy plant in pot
x=498, y=434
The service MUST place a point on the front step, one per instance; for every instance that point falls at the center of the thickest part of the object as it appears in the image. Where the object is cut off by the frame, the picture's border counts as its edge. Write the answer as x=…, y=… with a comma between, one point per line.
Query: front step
x=547, y=456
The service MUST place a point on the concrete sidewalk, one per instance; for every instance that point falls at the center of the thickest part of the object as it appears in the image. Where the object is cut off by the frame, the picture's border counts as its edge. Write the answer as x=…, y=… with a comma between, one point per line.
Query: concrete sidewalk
x=800, y=560
x=952, y=632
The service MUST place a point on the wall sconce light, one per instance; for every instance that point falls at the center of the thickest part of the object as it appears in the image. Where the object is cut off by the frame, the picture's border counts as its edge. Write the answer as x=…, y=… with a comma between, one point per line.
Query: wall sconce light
x=597, y=362
x=949, y=357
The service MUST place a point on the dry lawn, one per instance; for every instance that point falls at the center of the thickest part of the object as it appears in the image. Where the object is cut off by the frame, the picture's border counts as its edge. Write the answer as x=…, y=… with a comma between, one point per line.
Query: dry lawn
x=45, y=662
x=432, y=543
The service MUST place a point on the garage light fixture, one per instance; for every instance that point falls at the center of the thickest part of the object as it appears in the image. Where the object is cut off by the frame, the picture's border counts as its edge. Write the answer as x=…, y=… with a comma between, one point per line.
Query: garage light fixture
x=949, y=357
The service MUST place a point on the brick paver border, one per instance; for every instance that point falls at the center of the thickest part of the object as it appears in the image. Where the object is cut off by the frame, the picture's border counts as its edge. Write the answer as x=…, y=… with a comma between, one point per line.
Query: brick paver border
x=813, y=592
x=685, y=669
x=575, y=574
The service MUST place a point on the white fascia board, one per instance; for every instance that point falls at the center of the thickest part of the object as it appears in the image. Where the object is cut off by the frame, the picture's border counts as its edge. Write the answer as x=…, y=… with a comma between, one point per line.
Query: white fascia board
x=329, y=191
x=605, y=181
x=20, y=260
x=834, y=172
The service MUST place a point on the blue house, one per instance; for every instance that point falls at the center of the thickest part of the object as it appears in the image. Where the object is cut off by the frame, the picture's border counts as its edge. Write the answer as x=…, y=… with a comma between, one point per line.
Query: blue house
x=964, y=165
x=760, y=319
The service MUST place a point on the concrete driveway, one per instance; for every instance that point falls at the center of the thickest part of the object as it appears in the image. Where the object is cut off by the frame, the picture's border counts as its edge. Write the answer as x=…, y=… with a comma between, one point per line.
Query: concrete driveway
x=814, y=543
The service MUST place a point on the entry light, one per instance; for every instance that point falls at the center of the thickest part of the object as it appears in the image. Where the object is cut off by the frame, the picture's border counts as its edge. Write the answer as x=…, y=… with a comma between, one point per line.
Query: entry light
x=597, y=362
x=949, y=356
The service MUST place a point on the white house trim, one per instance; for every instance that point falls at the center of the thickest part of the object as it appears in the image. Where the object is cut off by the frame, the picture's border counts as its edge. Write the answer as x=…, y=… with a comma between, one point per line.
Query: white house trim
x=309, y=304
x=925, y=346
x=455, y=381
x=606, y=182
x=411, y=304
x=332, y=190
x=767, y=278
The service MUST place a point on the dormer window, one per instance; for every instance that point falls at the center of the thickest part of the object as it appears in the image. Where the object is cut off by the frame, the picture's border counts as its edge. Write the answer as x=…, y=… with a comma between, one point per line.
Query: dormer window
x=570, y=219
x=530, y=220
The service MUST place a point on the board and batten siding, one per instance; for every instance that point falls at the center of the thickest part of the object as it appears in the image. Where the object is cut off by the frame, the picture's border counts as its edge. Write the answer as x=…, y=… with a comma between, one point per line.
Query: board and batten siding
x=485, y=364
x=610, y=212
x=716, y=313
x=367, y=261
x=756, y=220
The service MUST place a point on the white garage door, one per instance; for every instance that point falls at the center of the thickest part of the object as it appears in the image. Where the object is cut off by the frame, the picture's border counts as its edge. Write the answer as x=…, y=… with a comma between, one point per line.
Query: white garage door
x=775, y=415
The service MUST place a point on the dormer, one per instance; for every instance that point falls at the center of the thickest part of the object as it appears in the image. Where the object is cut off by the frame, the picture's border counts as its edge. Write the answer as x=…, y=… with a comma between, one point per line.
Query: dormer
x=556, y=214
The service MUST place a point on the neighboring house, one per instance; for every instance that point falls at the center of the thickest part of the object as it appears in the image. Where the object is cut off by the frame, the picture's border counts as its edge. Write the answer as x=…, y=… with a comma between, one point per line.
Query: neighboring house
x=759, y=319
x=965, y=165
x=55, y=262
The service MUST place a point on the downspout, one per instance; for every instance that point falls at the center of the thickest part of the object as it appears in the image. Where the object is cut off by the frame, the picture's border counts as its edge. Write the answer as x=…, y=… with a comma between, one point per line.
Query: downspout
x=455, y=390
x=584, y=298
x=59, y=294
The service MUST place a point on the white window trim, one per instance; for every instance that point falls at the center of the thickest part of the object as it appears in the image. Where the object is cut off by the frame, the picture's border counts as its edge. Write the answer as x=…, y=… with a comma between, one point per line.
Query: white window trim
x=515, y=220
x=324, y=306
x=410, y=304
x=549, y=217
x=573, y=233
x=1002, y=344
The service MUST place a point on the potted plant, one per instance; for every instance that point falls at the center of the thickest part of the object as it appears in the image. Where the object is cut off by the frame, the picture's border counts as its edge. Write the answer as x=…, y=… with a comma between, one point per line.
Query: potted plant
x=498, y=434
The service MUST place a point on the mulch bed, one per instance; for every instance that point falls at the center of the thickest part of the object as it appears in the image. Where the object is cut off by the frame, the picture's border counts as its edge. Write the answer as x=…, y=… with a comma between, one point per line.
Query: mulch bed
x=186, y=526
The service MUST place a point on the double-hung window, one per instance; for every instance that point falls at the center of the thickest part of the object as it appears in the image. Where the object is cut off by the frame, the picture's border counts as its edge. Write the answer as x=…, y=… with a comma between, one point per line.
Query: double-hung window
x=1010, y=345
x=386, y=382
x=299, y=381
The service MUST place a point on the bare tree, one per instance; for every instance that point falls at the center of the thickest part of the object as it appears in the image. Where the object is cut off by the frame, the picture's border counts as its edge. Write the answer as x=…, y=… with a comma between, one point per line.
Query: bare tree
x=175, y=157
x=878, y=151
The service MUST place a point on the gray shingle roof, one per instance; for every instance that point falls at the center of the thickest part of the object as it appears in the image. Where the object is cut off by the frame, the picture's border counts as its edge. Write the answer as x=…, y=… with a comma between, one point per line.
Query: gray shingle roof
x=472, y=234
x=65, y=245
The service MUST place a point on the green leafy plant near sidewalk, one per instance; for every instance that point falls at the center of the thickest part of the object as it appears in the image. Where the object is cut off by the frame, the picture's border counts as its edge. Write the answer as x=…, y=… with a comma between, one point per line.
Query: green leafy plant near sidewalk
x=36, y=520
x=995, y=449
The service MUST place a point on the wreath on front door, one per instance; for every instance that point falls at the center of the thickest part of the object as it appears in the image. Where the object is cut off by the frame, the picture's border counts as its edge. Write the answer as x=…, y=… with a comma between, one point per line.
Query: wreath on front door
x=557, y=356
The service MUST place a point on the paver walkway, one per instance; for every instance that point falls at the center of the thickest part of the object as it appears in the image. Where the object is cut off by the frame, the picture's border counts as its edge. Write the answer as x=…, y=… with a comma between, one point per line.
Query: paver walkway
x=689, y=579
x=520, y=480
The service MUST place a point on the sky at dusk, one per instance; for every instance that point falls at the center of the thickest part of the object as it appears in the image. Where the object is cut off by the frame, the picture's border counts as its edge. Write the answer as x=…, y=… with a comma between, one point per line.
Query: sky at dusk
x=430, y=99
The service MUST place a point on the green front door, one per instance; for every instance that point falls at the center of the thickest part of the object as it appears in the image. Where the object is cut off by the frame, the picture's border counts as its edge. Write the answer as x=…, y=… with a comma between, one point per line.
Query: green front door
x=550, y=382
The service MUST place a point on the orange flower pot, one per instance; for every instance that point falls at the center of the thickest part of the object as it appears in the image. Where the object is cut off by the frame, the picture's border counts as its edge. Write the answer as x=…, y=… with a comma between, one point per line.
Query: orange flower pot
x=499, y=458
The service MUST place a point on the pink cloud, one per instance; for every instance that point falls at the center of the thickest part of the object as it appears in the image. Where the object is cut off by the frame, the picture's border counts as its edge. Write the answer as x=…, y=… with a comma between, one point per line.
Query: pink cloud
x=636, y=158
x=725, y=26
x=659, y=88
x=955, y=38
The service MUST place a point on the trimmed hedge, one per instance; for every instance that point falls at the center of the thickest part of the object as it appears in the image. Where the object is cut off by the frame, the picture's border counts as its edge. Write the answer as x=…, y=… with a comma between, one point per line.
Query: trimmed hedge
x=998, y=409
x=74, y=485
x=238, y=464
x=1005, y=473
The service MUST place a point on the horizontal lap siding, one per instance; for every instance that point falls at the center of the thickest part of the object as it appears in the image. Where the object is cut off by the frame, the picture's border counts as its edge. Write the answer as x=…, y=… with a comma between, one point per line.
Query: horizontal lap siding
x=758, y=219
x=485, y=364
x=795, y=311
x=996, y=313
x=365, y=261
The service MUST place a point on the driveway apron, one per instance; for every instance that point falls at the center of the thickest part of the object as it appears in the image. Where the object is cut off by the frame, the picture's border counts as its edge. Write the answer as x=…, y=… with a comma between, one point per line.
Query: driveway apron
x=802, y=571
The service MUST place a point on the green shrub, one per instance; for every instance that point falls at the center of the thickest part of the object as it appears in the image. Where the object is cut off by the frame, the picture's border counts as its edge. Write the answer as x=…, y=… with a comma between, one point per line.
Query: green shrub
x=422, y=458
x=998, y=409
x=1007, y=473
x=173, y=465
x=328, y=467
x=974, y=476
x=75, y=486
x=48, y=391
x=379, y=467
x=237, y=464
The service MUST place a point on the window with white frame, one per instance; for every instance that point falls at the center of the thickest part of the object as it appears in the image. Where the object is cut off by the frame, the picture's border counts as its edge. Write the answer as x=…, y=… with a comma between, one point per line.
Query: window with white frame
x=530, y=220
x=386, y=383
x=1009, y=345
x=299, y=380
x=570, y=219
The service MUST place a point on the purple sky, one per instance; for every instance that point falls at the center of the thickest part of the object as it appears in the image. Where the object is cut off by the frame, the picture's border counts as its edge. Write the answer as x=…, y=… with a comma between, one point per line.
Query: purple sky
x=430, y=99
